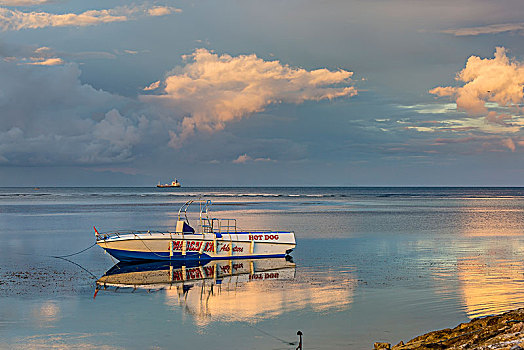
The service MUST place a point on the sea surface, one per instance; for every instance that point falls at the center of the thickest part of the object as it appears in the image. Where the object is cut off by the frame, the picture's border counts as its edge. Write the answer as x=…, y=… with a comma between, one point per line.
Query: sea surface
x=371, y=264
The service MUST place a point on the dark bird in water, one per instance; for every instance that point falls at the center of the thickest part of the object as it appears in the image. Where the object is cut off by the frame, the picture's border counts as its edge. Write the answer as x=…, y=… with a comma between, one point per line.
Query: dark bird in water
x=299, y=347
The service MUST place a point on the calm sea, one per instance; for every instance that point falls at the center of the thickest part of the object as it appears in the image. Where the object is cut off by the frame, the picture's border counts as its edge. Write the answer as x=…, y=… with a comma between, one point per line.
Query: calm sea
x=371, y=264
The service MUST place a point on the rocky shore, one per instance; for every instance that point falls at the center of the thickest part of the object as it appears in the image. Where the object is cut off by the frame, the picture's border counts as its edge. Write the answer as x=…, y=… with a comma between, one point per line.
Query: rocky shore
x=505, y=331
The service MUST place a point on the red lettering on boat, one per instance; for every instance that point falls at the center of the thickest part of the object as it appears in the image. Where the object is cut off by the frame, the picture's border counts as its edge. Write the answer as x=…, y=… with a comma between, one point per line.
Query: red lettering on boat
x=271, y=237
x=193, y=246
x=209, y=247
x=177, y=245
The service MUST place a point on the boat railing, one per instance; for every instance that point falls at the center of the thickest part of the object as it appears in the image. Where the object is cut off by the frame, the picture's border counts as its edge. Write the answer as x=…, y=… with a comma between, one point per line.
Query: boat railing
x=215, y=225
x=106, y=235
x=203, y=204
x=183, y=210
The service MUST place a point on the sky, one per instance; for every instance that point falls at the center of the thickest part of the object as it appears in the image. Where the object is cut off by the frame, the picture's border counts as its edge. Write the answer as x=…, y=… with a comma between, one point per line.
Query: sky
x=262, y=93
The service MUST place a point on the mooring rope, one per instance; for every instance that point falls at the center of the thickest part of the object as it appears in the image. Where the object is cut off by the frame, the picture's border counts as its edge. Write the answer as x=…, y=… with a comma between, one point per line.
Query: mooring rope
x=59, y=256
x=64, y=257
x=68, y=255
x=271, y=335
x=80, y=266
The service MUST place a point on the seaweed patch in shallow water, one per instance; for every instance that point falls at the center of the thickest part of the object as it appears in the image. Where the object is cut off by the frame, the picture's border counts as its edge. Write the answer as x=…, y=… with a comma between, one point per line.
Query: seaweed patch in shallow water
x=40, y=281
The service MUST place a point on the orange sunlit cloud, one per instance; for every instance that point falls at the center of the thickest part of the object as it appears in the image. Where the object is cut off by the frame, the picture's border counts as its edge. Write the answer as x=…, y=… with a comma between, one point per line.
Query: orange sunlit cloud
x=497, y=80
x=217, y=89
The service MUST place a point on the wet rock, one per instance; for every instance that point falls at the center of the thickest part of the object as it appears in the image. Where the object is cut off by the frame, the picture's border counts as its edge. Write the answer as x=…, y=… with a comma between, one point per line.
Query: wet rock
x=517, y=327
x=379, y=345
x=505, y=331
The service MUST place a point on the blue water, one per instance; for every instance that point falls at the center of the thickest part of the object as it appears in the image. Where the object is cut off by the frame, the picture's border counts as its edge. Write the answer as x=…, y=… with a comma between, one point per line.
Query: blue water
x=371, y=264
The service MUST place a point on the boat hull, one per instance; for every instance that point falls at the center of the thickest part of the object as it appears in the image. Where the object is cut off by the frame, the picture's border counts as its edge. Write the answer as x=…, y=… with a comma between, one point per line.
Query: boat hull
x=202, y=247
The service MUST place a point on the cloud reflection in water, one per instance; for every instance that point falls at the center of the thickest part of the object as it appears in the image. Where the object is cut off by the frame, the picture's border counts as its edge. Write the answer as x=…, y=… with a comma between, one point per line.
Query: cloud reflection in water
x=236, y=290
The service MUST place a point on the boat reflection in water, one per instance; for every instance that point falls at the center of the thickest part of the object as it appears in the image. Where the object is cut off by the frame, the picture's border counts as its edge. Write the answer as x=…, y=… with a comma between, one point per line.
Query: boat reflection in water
x=208, y=277
x=234, y=290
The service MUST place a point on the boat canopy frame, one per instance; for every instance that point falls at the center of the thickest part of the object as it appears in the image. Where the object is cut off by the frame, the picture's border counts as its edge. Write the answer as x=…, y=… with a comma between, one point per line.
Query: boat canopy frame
x=207, y=224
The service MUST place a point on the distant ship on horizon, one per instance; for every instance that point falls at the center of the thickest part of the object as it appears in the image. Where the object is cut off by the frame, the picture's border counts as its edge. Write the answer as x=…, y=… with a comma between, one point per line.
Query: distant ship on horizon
x=172, y=184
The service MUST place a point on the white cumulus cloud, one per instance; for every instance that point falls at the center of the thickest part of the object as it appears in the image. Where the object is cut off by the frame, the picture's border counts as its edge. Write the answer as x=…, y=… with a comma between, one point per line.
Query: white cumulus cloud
x=491, y=93
x=212, y=90
x=498, y=80
x=17, y=20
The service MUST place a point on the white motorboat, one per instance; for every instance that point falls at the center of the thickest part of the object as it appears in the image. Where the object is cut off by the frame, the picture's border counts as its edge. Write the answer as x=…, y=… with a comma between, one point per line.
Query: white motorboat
x=213, y=239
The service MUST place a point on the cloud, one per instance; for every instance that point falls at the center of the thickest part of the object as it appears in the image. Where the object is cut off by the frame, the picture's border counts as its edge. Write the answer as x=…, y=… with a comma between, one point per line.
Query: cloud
x=17, y=20
x=89, y=55
x=23, y=2
x=443, y=91
x=496, y=82
x=47, y=62
x=476, y=143
x=420, y=128
x=152, y=86
x=213, y=90
x=509, y=144
x=434, y=108
x=242, y=159
x=45, y=56
x=162, y=11
x=42, y=56
x=50, y=117
x=118, y=131
x=488, y=102
x=492, y=124
x=488, y=29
